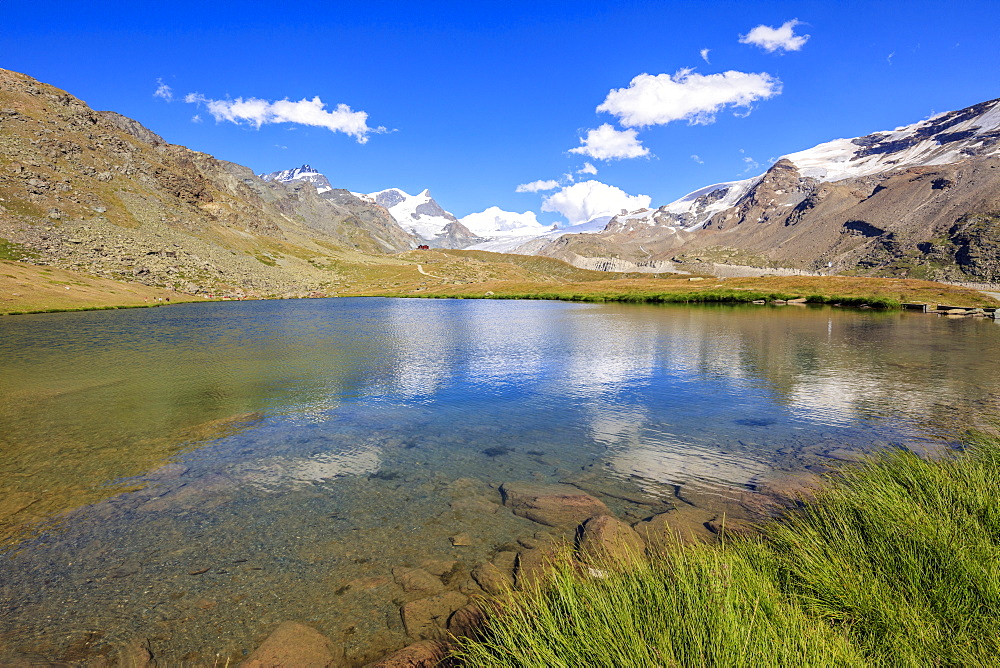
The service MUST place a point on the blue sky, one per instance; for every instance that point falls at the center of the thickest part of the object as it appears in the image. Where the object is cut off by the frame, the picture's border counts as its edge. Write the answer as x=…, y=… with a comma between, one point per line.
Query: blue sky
x=477, y=98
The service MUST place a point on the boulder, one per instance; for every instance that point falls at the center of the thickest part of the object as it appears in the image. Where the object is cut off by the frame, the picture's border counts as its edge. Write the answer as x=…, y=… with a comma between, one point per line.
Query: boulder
x=606, y=541
x=534, y=566
x=423, y=654
x=492, y=579
x=427, y=618
x=558, y=506
x=294, y=644
x=666, y=530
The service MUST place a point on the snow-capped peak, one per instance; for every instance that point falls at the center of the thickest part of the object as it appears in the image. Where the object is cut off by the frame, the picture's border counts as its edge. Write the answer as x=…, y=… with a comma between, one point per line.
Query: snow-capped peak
x=303, y=173
x=417, y=214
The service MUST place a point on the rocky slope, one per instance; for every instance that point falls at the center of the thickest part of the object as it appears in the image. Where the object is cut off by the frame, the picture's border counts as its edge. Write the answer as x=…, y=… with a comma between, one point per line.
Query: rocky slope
x=97, y=192
x=920, y=201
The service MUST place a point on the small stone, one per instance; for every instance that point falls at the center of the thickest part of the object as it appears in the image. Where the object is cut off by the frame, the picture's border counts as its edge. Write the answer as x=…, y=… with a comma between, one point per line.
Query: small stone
x=669, y=529
x=441, y=567
x=730, y=527
x=474, y=505
x=534, y=566
x=461, y=540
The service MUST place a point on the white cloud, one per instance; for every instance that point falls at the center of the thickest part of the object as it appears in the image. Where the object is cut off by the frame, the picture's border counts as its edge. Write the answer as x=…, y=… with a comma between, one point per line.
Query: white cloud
x=196, y=118
x=776, y=39
x=696, y=98
x=304, y=112
x=606, y=143
x=587, y=200
x=694, y=156
x=704, y=55
x=537, y=186
x=750, y=163
x=163, y=91
x=587, y=169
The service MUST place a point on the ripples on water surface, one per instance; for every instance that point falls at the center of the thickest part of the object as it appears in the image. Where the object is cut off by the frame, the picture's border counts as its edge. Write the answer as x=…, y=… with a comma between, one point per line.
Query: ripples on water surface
x=301, y=450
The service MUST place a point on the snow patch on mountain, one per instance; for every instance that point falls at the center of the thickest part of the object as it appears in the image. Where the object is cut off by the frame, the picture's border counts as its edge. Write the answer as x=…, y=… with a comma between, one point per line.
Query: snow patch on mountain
x=303, y=173
x=939, y=140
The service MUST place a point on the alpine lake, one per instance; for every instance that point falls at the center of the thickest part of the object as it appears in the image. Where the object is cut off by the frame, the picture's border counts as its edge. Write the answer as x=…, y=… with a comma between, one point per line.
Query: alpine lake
x=190, y=477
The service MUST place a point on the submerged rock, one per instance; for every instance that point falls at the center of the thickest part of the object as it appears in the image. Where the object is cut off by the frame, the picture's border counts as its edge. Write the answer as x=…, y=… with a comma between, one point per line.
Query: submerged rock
x=606, y=541
x=558, y=506
x=675, y=527
x=294, y=644
x=417, y=580
x=427, y=618
x=492, y=579
x=465, y=620
x=423, y=654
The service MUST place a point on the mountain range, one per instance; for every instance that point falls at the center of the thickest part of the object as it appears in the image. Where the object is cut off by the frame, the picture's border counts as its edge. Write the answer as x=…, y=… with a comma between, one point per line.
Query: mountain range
x=919, y=201
x=97, y=192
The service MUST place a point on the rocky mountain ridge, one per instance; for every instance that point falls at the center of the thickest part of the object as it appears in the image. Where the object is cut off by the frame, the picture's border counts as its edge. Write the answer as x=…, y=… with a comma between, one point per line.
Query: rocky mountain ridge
x=98, y=192
x=920, y=201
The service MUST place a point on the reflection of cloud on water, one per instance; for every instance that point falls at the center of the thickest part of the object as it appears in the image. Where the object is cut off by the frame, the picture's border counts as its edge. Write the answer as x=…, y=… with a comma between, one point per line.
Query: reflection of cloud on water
x=838, y=398
x=638, y=450
x=280, y=471
x=607, y=350
x=677, y=462
x=420, y=335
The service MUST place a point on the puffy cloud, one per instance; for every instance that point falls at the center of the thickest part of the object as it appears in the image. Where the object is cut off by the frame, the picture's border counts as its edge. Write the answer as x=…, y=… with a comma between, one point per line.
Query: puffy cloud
x=696, y=158
x=537, y=186
x=704, y=55
x=163, y=91
x=304, y=112
x=607, y=143
x=587, y=169
x=587, y=200
x=776, y=39
x=696, y=98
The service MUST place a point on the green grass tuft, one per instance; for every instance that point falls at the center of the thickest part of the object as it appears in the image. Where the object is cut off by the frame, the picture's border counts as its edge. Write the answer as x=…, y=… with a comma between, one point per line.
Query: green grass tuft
x=896, y=562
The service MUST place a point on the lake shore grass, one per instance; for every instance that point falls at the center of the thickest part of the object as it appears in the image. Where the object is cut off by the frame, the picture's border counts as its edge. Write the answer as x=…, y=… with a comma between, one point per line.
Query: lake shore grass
x=28, y=288
x=844, y=290
x=895, y=562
